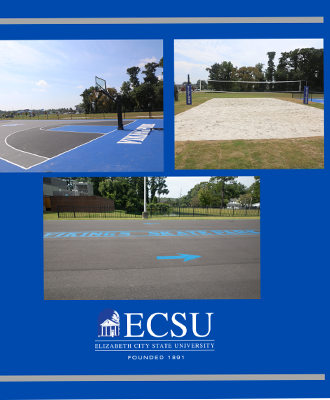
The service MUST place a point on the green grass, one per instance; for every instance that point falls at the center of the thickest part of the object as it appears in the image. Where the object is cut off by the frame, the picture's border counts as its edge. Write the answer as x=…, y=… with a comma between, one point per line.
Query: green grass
x=299, y=153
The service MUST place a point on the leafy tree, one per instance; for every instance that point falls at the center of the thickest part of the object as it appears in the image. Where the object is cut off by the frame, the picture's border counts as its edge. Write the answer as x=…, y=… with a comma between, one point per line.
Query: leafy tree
x=251, y=74
x=159, y=95
x=160, y=65
x=205, y=197
x=195, y=202
x=149, y=72
x=245, y=199
x=133, y=73
x=161, y=186
x=86, y=95
x=144, y=96
x=126, y=96
x=176, y=93
x=255, y=190
x=192, y=193
x=260, y=67
x=218, y=185
x=301, y=64
x=221, y=72
x=271, y=66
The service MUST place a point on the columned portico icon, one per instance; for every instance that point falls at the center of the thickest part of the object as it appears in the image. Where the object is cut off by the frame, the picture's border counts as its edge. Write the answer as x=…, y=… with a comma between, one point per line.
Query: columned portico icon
x=109, y=328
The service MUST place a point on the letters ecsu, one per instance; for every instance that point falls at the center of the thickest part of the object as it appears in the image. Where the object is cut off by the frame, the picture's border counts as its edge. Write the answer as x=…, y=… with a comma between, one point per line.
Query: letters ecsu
x=200, y=324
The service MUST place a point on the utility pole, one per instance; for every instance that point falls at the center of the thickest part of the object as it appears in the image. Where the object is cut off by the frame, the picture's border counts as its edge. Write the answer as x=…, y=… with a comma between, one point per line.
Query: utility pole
x=145, y=214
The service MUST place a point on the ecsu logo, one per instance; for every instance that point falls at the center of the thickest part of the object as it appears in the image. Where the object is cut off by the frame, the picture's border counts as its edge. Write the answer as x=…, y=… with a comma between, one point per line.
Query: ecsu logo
x=108, y=323
x=158, y=325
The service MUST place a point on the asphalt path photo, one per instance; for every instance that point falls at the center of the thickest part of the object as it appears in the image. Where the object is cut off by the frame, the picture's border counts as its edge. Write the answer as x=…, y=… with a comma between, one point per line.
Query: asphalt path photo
x=151, y=259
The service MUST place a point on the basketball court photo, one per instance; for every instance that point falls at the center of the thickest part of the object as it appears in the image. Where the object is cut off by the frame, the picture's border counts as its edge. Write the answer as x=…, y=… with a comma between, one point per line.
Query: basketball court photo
x=58, y=116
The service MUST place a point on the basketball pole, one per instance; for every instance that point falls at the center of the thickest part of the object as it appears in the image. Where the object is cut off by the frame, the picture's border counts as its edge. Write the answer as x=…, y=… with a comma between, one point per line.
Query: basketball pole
x=119, y=114
x=119, y=108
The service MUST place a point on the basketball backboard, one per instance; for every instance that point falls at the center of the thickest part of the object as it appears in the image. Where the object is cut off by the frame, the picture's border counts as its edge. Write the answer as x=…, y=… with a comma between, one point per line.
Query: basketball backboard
x=100, y=83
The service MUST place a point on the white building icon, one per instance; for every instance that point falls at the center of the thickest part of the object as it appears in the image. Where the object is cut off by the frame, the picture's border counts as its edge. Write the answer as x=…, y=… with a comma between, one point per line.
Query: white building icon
x=109, y=328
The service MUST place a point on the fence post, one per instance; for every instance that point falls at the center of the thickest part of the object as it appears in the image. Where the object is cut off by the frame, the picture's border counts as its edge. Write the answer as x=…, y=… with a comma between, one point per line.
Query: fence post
x=58, y=212
x=233, y=211
x=74, y=212
x=193, y=211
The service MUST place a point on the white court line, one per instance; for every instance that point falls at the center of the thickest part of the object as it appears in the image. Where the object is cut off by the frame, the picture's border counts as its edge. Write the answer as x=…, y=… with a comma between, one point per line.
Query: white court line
x=51, y=130
x=58, y=154
x=10, y=162
x=14, y=148
x=18, y=165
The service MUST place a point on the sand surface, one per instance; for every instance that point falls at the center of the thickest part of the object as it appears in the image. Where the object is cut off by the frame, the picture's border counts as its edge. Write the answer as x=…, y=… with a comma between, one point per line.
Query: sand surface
x=231, y=119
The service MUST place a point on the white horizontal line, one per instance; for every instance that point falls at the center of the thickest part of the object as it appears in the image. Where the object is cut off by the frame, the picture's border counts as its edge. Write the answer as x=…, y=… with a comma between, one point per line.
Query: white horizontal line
x=155, y=378
x=161, y=20
x=159, y=350
x=161, y=340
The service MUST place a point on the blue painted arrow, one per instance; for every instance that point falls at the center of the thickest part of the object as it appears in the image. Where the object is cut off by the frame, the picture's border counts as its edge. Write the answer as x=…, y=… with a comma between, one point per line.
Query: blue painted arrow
x=185, y=257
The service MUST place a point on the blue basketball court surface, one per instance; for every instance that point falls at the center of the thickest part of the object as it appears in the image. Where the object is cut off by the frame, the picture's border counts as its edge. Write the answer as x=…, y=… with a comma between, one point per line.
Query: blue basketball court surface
x=317, y=101
x=81, y=146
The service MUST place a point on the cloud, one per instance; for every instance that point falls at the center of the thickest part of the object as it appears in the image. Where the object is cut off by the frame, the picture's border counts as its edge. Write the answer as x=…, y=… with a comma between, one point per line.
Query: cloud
x=42, y=83
x=79, y=87
x=196, y=71
x=147, y=60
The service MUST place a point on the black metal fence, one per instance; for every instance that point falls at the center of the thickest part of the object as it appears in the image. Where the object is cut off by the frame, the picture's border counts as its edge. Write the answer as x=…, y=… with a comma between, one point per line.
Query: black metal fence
x=106, y=212
x=149, y=113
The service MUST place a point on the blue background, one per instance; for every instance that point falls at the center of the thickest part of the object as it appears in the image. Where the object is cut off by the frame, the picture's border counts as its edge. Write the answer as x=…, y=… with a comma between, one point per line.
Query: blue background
x=283, y=333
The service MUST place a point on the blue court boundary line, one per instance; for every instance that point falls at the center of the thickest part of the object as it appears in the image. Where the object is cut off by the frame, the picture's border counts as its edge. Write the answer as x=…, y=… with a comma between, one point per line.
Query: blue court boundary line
x=190, y=233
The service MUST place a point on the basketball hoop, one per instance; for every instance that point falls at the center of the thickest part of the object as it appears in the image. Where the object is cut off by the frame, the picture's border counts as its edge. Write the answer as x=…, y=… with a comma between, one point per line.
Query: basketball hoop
x=97, y=92
x=102, y=87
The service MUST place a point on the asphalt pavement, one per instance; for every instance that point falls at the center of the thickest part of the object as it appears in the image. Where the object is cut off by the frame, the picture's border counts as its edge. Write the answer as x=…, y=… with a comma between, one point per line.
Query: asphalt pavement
x=145, y=259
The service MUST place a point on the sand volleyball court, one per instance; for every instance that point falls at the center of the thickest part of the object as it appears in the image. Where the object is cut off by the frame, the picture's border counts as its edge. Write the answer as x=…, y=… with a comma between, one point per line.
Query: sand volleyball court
x=231, y=119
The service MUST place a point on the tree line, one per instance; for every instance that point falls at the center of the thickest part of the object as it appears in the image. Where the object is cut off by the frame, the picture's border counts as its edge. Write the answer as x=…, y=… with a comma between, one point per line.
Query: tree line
x=304, y=64
x=135, y=95
x=128, y=192
x=220, y=190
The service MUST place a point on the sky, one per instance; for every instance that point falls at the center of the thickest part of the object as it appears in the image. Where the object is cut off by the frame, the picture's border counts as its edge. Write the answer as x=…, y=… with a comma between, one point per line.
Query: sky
x=52, y=74
x=194, y=56
x=181, y=185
